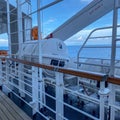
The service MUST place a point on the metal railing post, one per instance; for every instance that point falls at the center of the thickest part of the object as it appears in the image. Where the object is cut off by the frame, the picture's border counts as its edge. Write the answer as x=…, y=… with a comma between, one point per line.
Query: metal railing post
x=113, y=57
x=59, y=96
x=7, y=77
x=112, y=101
x=20, y=41
x=35, y=89
x=8, y=27
x=20, y=27
x=1, y=72
x=7, y=71
x=103, y=92
x=102, y=109
x=21, y=77
x=40, y=52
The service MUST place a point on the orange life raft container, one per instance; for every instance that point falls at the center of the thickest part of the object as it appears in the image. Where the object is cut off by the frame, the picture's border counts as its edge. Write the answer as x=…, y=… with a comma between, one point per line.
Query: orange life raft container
x=3, y=53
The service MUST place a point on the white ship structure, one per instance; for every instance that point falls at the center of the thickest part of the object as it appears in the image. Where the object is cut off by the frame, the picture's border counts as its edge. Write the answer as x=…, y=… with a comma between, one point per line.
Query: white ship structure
x=39, y=72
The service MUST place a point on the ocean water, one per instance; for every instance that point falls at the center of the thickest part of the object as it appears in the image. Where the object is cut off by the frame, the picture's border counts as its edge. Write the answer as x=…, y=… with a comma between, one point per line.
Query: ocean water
x=89, y=51
x=93, y=51
x=3, y=48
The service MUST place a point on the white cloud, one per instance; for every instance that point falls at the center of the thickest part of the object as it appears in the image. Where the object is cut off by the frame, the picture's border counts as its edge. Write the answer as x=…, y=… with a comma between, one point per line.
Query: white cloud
x=51, y=20
x=81, y=36
x=78, y=38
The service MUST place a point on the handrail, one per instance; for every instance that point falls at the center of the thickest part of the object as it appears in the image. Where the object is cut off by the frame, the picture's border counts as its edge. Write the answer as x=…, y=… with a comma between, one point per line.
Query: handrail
x=72, y=92
x=80, y=73
x=89, y=75
x=102, y=28
x=113, y=80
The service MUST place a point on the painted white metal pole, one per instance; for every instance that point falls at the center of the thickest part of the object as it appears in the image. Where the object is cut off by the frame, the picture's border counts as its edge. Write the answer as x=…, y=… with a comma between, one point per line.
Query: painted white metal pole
x=112, y=102
x=114, y=34
x=20, y=27
x=20, y=42
x=104, y=93
x=102, y=109
x=0, y=72
x=113, y=55
x=40, y=52
x=35, y=89
x=7, y=79
x=8, y=27
x=59, y=96
x=9, y=38
x=28, y=22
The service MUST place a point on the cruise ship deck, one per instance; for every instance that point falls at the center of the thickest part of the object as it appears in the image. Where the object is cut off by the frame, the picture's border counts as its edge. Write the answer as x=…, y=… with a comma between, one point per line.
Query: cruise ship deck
x=39, y=76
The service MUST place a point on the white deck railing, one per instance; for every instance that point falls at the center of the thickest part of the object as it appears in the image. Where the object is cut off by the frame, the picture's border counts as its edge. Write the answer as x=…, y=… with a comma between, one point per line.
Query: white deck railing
x=23, y=76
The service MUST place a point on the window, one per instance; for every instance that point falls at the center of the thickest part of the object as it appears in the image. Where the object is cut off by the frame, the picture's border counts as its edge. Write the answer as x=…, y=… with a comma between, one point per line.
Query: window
x=54, y=62
x=57, y=63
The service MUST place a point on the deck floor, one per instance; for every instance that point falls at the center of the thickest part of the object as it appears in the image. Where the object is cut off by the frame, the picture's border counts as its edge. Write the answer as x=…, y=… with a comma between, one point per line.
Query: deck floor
x=9, y=110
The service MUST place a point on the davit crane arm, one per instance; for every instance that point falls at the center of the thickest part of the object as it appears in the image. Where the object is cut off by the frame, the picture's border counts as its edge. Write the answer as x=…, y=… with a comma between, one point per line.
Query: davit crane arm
x=95, y=10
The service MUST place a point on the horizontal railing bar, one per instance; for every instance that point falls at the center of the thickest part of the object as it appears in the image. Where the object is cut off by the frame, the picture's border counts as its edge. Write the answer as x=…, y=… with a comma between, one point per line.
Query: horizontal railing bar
x=26, y=2
x=51, y=109
x=12, y=33
x=22, y=72
x=13, y=10
x=24, y=91
x=85, y=74
x=19, y=80
x=102, y=37
x=88, y=98
x=47, y=106
x=114, y=80
x=115, y=106
x=105, y=46
x=79, y=73
x=94, y=64
x=81, y=111
x=13, y=21
x=44, y=7
x=97, y=58
x=100, y=65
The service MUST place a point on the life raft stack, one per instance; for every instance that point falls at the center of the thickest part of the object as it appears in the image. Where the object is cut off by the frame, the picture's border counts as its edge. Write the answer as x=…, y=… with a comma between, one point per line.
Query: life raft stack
x=3, y=53
x=34, y=34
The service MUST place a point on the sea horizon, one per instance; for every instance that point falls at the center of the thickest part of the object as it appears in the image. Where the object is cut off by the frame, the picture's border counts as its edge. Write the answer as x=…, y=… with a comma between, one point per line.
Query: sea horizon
x=3, y=47
x=90, y=51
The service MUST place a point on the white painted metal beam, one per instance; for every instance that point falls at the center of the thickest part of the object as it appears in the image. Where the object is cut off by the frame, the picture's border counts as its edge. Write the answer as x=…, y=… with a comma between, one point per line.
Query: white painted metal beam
x=95, y=10
x=59, y=96
x=0, y=72
x=35, y=88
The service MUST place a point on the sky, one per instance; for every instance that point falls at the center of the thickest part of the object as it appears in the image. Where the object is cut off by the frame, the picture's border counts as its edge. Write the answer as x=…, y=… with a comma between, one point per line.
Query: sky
x=3, y=40
x=56, y=15
x=59, y=13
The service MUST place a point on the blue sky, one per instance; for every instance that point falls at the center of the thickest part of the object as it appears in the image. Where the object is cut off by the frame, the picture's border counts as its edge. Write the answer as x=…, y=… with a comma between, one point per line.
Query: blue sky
x=56, y=15
x=3, y=40
x=59, y=13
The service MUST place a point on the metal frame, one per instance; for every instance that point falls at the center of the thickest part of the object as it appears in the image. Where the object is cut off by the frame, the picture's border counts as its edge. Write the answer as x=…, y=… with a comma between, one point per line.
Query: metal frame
x=59, y=87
